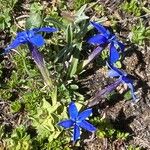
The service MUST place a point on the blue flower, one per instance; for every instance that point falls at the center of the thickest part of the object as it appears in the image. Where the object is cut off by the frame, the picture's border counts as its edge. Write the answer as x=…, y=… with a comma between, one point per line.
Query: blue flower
x=77, y=121
x=104, y=38
x=34, y=40
x=123, y=77
x=30, y=37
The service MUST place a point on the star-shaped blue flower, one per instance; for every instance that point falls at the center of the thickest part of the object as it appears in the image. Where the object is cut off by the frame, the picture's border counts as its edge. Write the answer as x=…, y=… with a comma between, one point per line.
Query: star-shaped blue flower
x=29, y=37
x=104, y=38
x=123, y=77
x=77, y=121
x=34, y=40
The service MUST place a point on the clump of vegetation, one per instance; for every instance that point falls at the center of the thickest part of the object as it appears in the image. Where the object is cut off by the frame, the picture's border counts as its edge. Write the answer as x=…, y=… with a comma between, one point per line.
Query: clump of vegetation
x=42, y=64
x=132, y=7
x=140, y=34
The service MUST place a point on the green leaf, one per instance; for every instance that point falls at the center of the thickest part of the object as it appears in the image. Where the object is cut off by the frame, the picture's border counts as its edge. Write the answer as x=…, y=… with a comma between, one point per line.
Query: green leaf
x=49, y=107
x=73, y=67
x=2, y=131
x=62, y=52
x=80, y=16
x=5, y=19
x=74, y=63
x=19, y=140
x=74, y=86
x=81, y=10
x=54, y=96
x=127, y=95
x=118, y=64
x=34, y=21
x=53, y=136
x=55, y=22
x=36, y=7
x=15, y=106
x=69, y=34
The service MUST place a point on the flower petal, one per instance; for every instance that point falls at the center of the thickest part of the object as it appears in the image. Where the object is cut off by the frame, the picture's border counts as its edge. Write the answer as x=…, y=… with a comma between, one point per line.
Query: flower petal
x=101, y=29
x=66, y=123
x=114, y=54
x=46, y=29
x=87, y=126
x=73, y=112
x=120, y=72
x=37, y=40
x=135, y=99
x=15, y=43
x=20, y=39
x=112, y=73
x=98, y=39
x=84, y=114
x=76, y=133
x=121, y=46
x=22, y=35
x=127, y=79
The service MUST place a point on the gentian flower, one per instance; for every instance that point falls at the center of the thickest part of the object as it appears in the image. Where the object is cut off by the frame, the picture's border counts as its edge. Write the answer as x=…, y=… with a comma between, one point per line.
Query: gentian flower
x=122, y=77
x=77, y=121
x=103, y=39
x=29, y=37
x=34, y=40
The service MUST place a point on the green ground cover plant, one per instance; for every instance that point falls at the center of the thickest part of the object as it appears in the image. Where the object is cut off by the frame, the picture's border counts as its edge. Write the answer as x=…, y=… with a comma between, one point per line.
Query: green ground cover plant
x=48, y=50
